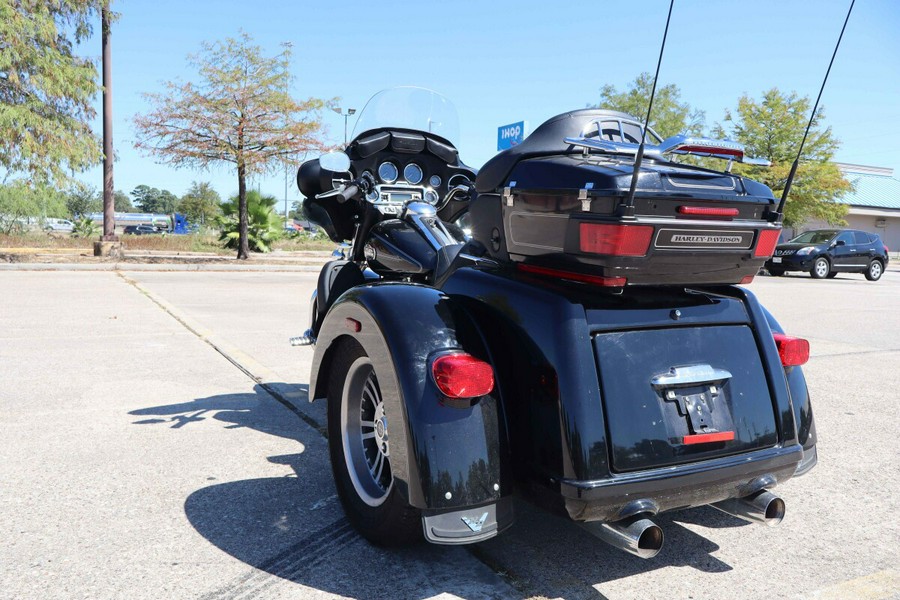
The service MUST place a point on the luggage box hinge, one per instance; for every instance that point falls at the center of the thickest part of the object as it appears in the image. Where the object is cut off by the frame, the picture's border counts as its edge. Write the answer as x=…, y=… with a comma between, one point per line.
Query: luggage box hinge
x=583, y=196
x=507, y=193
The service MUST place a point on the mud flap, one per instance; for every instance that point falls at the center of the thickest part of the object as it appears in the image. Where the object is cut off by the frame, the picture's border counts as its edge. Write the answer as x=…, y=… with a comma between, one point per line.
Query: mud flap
x=469, y=525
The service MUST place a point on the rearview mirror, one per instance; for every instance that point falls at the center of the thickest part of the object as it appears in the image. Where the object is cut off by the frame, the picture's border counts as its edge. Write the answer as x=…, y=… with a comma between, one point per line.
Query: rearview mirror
x=336, y=162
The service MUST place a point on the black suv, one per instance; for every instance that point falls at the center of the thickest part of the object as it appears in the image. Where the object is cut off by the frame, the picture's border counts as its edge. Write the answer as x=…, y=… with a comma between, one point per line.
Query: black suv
x=827, y=252
x=140, y=230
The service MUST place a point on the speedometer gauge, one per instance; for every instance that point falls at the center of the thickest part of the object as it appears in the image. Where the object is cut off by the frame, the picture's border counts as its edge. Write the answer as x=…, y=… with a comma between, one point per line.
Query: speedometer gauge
x=388, y=172
x=412, y=173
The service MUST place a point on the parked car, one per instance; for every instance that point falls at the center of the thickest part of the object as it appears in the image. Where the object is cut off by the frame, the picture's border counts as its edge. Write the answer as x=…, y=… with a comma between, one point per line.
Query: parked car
x=58, y=225
x=827, y=252
x=140, y=230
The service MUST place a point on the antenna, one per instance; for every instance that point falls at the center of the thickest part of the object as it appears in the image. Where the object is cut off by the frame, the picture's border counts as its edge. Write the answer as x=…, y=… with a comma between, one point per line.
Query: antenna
x=790, y=179
x=627, y=207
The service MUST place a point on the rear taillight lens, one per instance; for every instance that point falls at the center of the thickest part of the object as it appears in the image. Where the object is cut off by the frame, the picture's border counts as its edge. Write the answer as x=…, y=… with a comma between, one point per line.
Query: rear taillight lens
x=615, y=240
x=793, y=351
x=707, y=211
x=462, y=376
x=765, y=246
x=570, y=276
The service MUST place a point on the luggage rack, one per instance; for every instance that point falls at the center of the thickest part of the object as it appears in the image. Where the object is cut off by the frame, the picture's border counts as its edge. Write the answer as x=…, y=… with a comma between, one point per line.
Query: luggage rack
x=592, y=139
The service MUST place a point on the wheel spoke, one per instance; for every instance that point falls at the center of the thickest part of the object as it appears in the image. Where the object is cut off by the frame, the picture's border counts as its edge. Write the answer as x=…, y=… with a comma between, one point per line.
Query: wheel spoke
x=369, y=424
x=380, y=465
x=370, y=396
x=369, y=435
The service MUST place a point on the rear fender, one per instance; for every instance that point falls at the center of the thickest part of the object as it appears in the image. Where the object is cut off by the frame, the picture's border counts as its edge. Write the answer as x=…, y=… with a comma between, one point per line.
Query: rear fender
x=803, y=415
x=442, y=456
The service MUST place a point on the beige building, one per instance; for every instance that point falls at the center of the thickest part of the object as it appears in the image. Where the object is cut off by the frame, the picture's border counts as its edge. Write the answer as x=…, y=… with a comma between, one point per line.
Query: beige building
x=874, y=204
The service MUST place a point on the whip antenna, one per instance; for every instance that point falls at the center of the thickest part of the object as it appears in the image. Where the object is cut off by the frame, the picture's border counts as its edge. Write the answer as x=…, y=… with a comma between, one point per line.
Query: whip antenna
x=628, y=205
x=790, y=179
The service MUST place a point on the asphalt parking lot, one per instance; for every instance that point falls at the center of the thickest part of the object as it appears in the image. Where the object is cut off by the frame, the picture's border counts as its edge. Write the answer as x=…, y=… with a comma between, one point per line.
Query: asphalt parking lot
x=157, y=442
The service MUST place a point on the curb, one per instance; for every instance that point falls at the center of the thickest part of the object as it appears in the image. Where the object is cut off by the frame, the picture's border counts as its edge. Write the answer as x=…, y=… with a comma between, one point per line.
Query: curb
x=155, y=267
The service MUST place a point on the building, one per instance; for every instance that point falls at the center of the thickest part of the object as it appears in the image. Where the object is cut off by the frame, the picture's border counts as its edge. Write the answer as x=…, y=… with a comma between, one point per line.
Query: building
x=874, y=203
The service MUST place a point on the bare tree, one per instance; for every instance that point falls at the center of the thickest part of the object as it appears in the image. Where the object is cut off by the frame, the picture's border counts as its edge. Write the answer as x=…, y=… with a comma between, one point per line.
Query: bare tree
x=239, y=111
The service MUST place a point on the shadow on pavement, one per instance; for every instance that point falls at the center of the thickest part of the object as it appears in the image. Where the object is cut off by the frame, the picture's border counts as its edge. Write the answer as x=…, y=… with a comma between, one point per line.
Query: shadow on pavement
x=293, y=528
x=547, y=555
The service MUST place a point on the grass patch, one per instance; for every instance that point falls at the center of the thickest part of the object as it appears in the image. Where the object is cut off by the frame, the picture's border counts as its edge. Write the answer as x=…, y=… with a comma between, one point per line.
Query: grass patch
x=195, y=242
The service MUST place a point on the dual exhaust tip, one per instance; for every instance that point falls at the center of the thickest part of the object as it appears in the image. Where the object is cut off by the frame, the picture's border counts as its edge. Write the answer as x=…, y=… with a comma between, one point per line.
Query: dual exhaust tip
x=641, y=537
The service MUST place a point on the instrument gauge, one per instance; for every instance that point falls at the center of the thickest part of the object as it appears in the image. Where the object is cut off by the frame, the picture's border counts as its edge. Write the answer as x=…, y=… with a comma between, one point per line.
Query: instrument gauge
x=435, y=181
x=388, y=172
x=431, y=197
x=412, y=173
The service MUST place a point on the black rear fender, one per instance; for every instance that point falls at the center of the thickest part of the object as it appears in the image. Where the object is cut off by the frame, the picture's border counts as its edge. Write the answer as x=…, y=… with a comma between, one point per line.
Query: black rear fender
x=803, y=415
x=442, y=456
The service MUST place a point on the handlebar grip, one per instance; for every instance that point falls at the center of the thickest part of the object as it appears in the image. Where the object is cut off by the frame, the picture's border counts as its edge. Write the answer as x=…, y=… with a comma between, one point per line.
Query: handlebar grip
x=349, y=192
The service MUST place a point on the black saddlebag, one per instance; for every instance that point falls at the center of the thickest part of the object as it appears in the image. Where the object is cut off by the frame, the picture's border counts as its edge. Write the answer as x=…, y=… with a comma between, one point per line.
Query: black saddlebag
x=562, y=215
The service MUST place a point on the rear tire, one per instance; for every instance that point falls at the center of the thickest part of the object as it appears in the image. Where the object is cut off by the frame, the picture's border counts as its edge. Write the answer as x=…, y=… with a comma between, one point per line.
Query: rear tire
x=875, y=270
x=360, y=452
x=776, y=272
x=832, y=274
x=820, y=268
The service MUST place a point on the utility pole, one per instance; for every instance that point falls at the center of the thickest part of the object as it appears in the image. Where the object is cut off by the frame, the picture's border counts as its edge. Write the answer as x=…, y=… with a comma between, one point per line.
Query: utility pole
x=287, y=176
x=109, y=241
x=287, y=163
x=346, y=115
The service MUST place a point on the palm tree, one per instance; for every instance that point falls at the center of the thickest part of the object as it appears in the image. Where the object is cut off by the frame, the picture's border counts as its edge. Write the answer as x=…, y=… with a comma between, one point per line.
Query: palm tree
x=264, y=225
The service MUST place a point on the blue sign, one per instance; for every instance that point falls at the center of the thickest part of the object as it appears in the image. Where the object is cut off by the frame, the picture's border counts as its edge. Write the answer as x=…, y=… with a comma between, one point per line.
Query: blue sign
x=510, y=135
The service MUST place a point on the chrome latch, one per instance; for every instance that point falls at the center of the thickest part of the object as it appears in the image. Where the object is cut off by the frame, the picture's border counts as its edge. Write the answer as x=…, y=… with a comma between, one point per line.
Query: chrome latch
x=583, y=196
x=507, y=193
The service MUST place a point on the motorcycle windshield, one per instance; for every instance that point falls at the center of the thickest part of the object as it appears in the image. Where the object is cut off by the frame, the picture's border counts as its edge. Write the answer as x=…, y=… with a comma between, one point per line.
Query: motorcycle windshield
x=409, y=108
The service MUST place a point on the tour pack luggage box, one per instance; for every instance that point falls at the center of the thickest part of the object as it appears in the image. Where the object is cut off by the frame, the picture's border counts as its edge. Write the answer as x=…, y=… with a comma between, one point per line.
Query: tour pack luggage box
x=564, y=211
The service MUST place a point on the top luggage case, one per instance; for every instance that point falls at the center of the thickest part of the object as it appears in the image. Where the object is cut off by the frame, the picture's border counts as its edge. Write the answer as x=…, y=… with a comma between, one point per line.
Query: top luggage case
x=557, y=204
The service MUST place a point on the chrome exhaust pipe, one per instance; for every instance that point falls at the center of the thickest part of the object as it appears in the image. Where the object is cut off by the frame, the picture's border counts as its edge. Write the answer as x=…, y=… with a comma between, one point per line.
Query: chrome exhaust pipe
x=762, y=507
x=638, y=536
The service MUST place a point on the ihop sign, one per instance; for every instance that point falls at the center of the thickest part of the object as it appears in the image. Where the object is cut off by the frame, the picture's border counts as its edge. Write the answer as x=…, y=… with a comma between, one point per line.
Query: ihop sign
x=510, y=135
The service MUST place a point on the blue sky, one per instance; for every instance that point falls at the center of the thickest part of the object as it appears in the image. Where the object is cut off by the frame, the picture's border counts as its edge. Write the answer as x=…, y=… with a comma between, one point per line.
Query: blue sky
x=503, y=61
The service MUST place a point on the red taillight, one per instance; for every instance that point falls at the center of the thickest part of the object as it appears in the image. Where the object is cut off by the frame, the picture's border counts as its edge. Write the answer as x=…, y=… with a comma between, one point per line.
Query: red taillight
x=707, y=211
x=462, y=376
x=708, y=438
x=765, y=246
x=582, y=277
x=746, y=279
x=793, y=351
x=615, y=240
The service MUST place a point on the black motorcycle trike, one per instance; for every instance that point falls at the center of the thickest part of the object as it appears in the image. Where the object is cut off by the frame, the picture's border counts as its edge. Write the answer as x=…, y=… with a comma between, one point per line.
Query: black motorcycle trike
x=535, y=330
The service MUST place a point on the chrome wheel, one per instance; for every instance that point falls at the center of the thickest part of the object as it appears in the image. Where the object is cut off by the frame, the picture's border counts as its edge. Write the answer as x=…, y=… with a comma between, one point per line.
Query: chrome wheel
x=364, y=434
x=821, y=268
